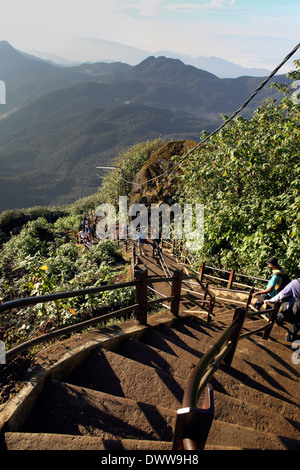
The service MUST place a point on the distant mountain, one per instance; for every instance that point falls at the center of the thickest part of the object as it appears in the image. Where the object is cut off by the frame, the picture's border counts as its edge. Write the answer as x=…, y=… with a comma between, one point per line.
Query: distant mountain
x=98, y=50
x=220, y=67
x=27, y=77
x=88, y=49
x=62, y=121
x=55, y=162
x=53, y=58
x=161, y=82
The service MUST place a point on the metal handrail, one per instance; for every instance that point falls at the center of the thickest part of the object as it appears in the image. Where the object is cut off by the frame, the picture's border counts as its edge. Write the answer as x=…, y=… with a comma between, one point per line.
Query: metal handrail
x=237, y=274
x=69, y=329
x=226, y=272
x=209, y=364
x=163, y=263
x=62, y=295
x=198, y=379
x=220, y=352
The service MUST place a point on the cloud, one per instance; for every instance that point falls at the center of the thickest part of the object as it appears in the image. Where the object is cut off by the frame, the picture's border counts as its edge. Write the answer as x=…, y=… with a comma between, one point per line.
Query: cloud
x=139, y=8
x=156, y=8
x=197, y=7
x=149, y=7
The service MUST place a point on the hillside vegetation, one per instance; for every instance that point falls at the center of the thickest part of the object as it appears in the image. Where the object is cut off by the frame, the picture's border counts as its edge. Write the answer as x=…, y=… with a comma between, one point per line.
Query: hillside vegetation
x=45, y=257
x=248, y=181
x=247, y=177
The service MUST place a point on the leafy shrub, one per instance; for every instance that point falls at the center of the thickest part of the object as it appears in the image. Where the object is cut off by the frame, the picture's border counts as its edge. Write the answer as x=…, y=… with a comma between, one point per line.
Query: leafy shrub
x=13, y=218
x=248, y=181
x=39, y=261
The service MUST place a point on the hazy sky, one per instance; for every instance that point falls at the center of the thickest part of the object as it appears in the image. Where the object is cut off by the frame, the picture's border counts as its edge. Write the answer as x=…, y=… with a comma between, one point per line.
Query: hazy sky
x=252, y=33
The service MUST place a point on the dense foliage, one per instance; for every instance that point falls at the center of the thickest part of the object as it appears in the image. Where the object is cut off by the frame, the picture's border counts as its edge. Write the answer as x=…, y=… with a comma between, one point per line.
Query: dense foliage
x=248, y=180
x=42, y=260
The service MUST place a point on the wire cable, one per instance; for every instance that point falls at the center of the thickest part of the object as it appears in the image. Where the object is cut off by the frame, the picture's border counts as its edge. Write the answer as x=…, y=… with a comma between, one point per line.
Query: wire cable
x=222, y=125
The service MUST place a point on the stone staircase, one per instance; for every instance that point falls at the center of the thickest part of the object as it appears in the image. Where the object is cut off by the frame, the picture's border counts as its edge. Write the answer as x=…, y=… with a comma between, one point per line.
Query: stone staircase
x=119, y=388
x=124, y=391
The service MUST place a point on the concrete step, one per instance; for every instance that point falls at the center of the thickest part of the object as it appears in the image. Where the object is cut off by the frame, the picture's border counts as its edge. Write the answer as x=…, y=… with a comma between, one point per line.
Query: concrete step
x=127, y=397
x=274, y=365
x=74, y=411
x=242, y=413
x=247, y=438
x=48, y=441
x=220, y=432
x=111, y=373
x=63, y=408
x=275, y=385
x=254, y=367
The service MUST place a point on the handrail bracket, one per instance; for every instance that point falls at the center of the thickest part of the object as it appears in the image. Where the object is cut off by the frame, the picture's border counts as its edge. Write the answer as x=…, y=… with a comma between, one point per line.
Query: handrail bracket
x=193, y=424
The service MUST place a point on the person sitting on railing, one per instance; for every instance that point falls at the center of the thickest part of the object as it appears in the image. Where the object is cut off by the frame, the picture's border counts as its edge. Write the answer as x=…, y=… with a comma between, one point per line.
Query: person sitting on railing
x=275, y=284
x=290, y=296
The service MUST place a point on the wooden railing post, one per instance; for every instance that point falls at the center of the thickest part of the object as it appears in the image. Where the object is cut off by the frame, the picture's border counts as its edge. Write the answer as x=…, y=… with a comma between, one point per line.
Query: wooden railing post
x=201, y=273
x=141, y=295
x=210, y=310
x=272, y=318
x=176, y=291
x=239, y=314
x=230, y=281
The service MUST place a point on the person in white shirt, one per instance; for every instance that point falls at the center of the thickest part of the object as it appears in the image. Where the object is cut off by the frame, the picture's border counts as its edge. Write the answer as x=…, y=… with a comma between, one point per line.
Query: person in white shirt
x=290, y=295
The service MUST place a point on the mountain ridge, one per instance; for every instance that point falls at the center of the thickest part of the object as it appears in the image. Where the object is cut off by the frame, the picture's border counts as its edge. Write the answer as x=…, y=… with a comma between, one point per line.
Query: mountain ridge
x=55, y=162
x=161, y=82
x=97, y=49
x=64, y=121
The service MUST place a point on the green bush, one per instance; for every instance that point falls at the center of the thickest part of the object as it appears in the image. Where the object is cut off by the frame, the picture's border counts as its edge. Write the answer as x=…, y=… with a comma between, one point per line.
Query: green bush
x=13, y=218
x=248, y=181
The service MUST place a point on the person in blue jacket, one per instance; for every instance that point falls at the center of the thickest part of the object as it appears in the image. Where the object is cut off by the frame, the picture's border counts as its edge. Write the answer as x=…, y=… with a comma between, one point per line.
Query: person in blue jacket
x=274, y=284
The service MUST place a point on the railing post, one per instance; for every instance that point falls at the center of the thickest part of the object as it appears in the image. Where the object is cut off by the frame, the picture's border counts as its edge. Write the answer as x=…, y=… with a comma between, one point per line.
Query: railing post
x=249, y=299
x=239, y=314
x=201, y=272
x=141, y=294
x=271, y=321
x=180, y=249
x=210, y=310
x=230, y=281
x=176, y=291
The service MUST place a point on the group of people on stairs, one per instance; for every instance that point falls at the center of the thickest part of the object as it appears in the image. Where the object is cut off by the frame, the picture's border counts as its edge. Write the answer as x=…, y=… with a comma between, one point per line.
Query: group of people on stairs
x=87, y=231
x=282, y=289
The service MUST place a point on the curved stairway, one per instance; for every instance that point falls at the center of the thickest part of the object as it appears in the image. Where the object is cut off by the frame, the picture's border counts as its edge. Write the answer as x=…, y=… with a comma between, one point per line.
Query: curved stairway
x=119, y=388
x=125, y=394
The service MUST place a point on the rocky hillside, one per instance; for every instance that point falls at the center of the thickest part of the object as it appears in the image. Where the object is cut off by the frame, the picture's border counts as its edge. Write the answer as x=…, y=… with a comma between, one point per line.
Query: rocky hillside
x=162, y=190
